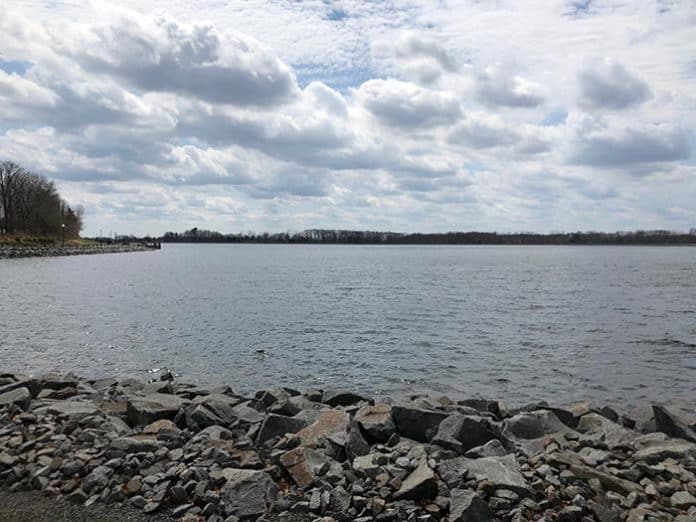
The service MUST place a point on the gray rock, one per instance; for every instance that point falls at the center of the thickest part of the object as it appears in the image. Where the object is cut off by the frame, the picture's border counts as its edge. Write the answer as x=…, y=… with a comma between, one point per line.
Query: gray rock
x=659, y=450
x=376, y=421
x=417, y=423
x=467, y=506
x=500, y=472
x=245, y=413
x=669, y=423
x=135, y=445
x=342, y=398
x=603, y=513
x=246, y=493
x=421, y=484
x=304, y=465
x=682, y=500
x=19, y=396
x=33, y=385
x=211, y=410
x=482, y=405
x=70, y=408
x=460, y=433
x=492, y=448
x=278, y=425
x=155, y=406
x=98, y=479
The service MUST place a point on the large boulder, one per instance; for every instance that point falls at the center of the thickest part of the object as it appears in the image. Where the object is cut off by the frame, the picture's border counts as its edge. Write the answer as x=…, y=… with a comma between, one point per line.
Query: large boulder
x=33, y=385
x=342, y=398
x=70, y=408
x=656, y=451
x=499, y=472
x=330, y=422
x=211, y=410
x=150, y=408
x=19, y=396
x=602, y=428
x=460, y=433
x=246, y=493
x=304, y=465
x=376, y=421
x=527, y=430
x=668, y=423
x=420, y=484
x=277, y=426
x=467, y=506
x=417, y=423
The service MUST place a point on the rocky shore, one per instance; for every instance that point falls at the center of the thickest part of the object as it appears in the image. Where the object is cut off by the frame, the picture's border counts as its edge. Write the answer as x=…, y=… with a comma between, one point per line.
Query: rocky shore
x=14, y=251
x=186, y=452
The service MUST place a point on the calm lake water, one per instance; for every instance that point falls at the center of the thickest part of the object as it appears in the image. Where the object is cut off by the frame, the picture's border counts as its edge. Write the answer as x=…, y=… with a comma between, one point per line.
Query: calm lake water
x=615, y=324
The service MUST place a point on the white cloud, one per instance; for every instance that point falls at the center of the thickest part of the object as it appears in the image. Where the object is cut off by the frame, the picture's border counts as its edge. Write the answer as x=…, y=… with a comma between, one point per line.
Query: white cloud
x=608, y=85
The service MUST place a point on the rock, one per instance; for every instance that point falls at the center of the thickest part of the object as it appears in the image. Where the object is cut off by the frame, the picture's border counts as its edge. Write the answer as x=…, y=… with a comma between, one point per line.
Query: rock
x=33, y=385
x=657, y=451
x=417, y=423
x=668, y=423
x=421, y=484
x=304, y=465
x=211, y=410
x=603, y=513
x=342, y=398
x=492, y=448
x=135, y=445
x=70, y=408
x=608, y=481
x=278, y=425
x=245, y=413
x=682, y=500
x=153, y=407
x=246, y=493
x=161, y=425
x=98, y=479
x=600, y=427
x=500, y=472
x=270, y=397
x=376, y=421
x=177, y=495
x=356, y=445
x=212, y=433
x=467, y=506
x=366, y=464
x=330, y=422
x=460, y=433
x=19, y=396
x=482, y=405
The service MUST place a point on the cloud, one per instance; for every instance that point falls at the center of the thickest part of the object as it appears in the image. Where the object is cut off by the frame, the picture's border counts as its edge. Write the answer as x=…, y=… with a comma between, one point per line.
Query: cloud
x=497, y=87
x=483, y=131
x=412, y=46
x=197, y=61
x=630, y=146
x=402, y=104
x=608, y=85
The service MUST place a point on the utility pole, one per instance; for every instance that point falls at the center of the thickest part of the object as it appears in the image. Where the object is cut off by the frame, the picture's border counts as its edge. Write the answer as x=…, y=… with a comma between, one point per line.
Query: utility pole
x=62, y=229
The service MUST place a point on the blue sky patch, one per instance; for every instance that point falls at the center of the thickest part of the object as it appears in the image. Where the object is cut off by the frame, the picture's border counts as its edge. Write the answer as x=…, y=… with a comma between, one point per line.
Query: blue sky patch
x=15, y=66
x=555, y=117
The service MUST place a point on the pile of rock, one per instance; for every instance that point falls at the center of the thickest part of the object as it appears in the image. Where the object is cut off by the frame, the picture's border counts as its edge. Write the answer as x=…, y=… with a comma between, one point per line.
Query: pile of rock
x=29, y=250
x=210, y=454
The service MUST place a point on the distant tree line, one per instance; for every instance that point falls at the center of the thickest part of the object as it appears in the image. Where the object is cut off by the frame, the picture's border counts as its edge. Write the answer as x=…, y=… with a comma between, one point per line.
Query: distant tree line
x=30, y=204
x=639, y=237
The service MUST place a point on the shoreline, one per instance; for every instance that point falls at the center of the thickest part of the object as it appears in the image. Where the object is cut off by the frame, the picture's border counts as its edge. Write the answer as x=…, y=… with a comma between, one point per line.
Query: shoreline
x=17, y=252
x=188, y=452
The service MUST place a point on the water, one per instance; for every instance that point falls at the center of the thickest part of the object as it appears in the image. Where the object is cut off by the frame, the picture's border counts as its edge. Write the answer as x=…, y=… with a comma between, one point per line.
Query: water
x=612, y=324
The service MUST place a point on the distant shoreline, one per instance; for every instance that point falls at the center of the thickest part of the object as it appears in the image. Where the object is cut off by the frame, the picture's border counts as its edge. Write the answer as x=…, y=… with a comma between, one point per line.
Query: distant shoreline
x=23, y=251
x=362, y=237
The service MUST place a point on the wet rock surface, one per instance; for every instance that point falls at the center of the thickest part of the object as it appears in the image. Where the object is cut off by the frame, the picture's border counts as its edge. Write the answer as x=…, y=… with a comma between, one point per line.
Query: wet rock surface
x=168, y=450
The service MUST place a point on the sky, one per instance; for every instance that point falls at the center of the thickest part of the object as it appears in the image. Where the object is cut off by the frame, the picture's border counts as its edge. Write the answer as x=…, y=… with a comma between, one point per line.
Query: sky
x=400, y=115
